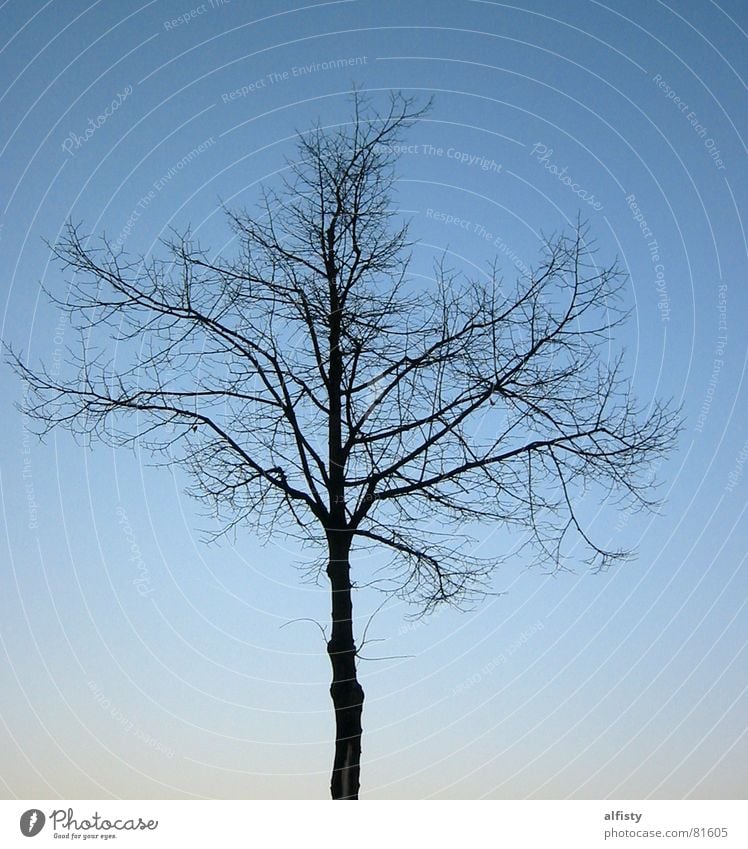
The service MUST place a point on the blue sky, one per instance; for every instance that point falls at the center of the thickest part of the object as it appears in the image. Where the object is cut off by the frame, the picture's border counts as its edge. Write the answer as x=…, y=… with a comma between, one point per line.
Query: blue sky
x=138, y=661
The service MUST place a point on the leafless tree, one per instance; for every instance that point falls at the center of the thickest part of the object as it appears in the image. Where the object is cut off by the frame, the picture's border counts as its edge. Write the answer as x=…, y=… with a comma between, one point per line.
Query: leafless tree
x=311, y=385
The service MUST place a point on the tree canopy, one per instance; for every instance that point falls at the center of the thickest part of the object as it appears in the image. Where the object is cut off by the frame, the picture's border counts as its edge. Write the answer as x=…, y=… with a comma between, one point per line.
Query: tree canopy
x=310, y=384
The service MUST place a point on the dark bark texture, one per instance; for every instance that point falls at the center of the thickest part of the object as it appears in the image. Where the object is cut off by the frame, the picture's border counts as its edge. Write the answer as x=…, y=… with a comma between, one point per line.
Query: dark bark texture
x=346, y=691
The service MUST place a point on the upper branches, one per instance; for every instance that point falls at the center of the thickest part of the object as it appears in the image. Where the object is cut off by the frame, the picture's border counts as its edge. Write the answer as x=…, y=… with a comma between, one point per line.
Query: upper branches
x=308, y=378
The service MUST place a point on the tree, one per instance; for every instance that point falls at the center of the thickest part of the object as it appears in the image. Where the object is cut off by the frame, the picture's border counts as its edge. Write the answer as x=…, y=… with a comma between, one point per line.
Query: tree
x=310, y=386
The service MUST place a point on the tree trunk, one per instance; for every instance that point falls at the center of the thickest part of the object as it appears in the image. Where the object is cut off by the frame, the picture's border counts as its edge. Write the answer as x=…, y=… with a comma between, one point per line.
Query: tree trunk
x=345, y=690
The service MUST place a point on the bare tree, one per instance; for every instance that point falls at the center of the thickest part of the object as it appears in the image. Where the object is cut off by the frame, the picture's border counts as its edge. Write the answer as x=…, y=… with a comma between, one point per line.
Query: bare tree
x=312, y=386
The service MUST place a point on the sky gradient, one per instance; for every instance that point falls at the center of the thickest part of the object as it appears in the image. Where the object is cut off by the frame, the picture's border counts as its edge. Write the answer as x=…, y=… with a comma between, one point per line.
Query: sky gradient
x=139, y=662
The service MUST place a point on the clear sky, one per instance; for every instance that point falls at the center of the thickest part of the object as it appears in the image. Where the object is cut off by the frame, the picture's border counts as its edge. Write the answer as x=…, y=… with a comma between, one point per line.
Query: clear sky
x=138, y=661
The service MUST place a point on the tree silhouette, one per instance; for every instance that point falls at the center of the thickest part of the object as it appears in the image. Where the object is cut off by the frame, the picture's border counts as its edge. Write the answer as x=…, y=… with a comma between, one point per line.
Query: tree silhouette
x=309, y=385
